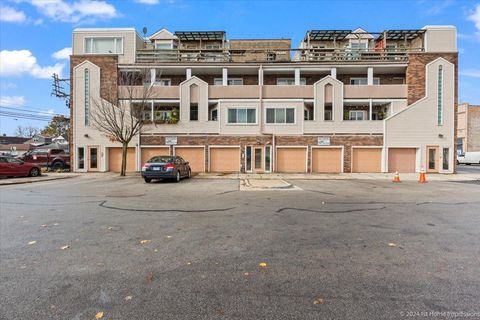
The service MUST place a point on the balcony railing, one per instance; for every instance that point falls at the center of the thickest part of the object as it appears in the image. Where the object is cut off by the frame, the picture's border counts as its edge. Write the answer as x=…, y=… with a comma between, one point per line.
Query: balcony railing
x=273, y=55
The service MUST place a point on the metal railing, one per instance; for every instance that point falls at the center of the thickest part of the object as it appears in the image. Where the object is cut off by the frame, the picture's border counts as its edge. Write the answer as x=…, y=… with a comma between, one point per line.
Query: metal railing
x=296, y=55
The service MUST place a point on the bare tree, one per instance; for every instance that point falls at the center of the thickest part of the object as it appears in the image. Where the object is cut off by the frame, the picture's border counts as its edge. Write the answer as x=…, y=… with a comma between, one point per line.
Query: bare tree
x=118, y=113
x=26, y=131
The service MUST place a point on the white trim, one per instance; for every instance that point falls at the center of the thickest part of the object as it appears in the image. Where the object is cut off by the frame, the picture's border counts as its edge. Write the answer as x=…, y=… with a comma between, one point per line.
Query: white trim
x=342, y=159
x=107, y=37
x=224, y=146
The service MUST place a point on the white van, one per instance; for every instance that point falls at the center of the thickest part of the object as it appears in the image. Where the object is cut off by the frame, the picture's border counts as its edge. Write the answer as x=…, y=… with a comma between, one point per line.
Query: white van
x=469, y=158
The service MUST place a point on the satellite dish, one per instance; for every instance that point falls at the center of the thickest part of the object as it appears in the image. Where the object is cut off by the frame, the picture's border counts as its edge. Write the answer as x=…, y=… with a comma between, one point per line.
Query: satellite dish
x=144, y=30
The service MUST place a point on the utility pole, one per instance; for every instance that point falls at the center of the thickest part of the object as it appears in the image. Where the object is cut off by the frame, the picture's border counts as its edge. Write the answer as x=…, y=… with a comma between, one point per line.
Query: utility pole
x=58, y=90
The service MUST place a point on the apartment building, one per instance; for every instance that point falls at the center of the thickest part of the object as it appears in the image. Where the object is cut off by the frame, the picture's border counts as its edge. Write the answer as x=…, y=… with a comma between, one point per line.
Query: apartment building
x=468, y=129
x=342, y=101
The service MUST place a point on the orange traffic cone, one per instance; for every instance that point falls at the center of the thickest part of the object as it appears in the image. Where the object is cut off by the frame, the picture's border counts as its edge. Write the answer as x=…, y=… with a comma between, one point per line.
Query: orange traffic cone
x=396, y=177
x=422, y=178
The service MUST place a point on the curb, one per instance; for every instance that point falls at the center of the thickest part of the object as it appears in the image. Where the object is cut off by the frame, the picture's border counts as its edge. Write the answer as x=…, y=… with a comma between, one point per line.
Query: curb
x=34, y=181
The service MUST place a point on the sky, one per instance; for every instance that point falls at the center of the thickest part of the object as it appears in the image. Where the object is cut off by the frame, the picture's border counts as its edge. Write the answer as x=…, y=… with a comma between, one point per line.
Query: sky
x=36, y=35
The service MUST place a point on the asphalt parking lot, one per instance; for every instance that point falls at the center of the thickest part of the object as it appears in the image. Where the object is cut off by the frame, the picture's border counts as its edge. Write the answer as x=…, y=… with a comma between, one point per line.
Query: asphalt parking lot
x=202, y=249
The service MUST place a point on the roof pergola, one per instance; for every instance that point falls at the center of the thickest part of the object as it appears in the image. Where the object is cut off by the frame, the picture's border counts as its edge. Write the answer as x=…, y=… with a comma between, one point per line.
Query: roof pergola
x=401, y=34
x=200, y=35
x=326, y=35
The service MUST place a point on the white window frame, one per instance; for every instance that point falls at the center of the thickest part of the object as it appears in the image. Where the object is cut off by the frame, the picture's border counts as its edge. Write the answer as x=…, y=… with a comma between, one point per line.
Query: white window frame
x=375, y=79
x=219, y=81
x=158, y=82
x=303, y=81
x=77, y=160
x=281, y=123
x=169, y=42
x=241, y=123
x=363, y=112
x=103, y=37
x=356, y=41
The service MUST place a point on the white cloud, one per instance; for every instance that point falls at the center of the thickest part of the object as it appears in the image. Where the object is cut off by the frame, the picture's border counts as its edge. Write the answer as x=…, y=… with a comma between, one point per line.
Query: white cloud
x=474, y=73
x=63, y=54
x=22, y=62
x=76, y=11
x=475, y=18
x=16, y=101
x=9, y=14
x=150, y=2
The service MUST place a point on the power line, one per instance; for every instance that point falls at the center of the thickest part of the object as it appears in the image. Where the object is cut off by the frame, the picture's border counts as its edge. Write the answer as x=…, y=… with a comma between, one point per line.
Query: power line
x=33, y=112
x=25, y=115
x=21, y=106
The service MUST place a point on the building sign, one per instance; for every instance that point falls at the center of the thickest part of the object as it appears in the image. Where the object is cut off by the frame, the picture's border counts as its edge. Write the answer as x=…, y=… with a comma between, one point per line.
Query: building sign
x=170, y=141
x=323, y=141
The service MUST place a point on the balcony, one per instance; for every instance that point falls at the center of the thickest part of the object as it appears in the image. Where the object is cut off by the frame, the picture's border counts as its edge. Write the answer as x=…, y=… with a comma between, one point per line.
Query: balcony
x=240, y=92
x=273, y=91
x=390, y=91
x=176, y=55
x=157, y=92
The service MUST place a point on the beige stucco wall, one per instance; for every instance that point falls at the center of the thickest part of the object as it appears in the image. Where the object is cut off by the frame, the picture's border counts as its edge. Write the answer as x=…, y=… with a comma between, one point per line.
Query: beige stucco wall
x=440, y=39
x=416, y=126
x=130, y=41
x=87, y=135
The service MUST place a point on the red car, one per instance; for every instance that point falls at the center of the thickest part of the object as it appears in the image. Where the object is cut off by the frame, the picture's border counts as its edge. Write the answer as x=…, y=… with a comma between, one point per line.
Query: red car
x=11, y=167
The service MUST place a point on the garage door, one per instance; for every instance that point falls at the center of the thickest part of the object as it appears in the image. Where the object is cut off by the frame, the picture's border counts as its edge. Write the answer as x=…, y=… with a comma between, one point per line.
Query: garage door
x=224, y=159
x=402, y=159
x=195, y=156
x=148, y=153
x=327, y=160
x=115, y=159
x=367, y=160
x=291, y=160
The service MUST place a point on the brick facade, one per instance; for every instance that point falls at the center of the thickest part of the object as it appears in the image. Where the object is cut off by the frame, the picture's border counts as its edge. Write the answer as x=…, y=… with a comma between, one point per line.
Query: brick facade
x=473, y=128
x=347, y=141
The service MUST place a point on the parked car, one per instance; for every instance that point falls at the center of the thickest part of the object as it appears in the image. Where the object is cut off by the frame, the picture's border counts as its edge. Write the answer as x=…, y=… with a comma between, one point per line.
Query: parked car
x=166, y=167
x=55, y=159
x=12, y=167
x=469, y=158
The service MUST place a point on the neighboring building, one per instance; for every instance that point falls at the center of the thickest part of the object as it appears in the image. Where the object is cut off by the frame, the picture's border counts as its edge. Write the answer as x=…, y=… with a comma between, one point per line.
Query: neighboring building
x=468, y=129
x=60, y=140
x=344, y=101
x=40, y=139
x=13, y=146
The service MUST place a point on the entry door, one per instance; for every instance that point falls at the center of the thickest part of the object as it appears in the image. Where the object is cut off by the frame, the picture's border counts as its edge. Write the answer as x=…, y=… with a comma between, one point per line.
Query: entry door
x=432, y=159
x=93, y=158
x=257, y=159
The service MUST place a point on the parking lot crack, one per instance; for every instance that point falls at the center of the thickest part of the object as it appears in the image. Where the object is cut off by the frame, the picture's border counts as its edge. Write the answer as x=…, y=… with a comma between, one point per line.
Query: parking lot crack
x=329, y=211
x=103, y=205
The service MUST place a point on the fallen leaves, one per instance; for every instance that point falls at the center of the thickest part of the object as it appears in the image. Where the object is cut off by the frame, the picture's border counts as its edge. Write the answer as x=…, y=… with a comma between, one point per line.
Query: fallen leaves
x=318, y=301
x=64, y=247
x=99, y=315
x=44, y=225
x=145, y=241
x=128, y=298
x=32, y=242
x=149, y=277
x=262, y=264
x=391, y=244
x=246, y=274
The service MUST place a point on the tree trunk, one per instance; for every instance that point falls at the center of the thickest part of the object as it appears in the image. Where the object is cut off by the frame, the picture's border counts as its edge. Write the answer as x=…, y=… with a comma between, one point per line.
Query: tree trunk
x=124, y=159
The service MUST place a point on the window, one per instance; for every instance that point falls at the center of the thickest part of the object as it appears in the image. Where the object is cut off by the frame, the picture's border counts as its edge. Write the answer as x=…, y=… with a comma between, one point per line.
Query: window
x=290, y=81
x=440, y=96
x=193, y=112
x=163, y=82
x=86, y=97
x=356, y=115
x=358, y=45
x=267, y=159
x=363, y=81
x=147, y=114
x=391, y=47
x=248, y=158
x=212, y=47
x=81, y=158
x=214, y=115
x=242, y=115
x=230, y=81
x=271, y=56
x=163, y=45
x=280, y=115
x=445, y=155
x=104, y=45
x=13, y=160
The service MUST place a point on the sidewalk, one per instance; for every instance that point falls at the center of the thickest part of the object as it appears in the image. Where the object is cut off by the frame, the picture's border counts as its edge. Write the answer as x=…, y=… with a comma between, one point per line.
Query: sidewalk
x=44, y=177
x=338, y=176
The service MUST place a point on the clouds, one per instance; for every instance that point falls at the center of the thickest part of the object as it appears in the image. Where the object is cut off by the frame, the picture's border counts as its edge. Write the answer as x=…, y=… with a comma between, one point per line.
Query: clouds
x=17, y=101
x=76, y=11
x=16, y=63
x=63, y=54
x=475, y=18
x=474, y=73
x=149, y=2
x=9, y=14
